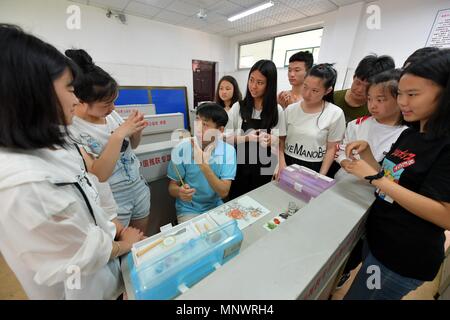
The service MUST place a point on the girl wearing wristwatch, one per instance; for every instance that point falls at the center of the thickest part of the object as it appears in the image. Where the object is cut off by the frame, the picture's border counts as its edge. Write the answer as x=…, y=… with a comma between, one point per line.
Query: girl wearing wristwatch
x=406, y=223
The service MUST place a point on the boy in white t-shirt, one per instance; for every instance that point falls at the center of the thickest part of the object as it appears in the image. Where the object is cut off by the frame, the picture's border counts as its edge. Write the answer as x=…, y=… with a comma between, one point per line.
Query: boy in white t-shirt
x=383, y=127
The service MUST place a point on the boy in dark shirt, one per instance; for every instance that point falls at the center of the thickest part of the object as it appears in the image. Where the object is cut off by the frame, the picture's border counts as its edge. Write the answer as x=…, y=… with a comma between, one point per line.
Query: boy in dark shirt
x=353, y=101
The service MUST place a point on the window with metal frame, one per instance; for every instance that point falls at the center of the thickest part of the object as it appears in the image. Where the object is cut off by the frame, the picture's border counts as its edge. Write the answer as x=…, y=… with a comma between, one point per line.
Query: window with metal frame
x=280, y=49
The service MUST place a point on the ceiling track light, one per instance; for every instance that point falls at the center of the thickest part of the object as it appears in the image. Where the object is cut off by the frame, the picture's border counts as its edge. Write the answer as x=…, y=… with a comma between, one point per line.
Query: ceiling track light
x=248, y=12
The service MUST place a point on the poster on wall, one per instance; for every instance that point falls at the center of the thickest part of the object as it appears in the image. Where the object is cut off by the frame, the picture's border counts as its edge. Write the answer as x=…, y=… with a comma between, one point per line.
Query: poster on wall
x=440, y=32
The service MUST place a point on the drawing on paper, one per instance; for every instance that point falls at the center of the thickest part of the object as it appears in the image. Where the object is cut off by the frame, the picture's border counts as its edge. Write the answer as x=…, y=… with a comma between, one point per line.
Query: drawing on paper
x=245, y=211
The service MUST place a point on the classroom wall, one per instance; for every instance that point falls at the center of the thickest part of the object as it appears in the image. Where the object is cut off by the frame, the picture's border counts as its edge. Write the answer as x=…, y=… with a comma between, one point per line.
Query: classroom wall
x=143, y=52
x=405, y=26
x=146, y=52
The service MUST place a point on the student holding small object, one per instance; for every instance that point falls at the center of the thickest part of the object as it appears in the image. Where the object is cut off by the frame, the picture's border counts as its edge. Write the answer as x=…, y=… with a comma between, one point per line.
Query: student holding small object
x=202, y=168
x=255, y=126
x=228, y=93
x=52, y=225
x=406, y=223
x=109, y=140
x=315, y=126
x=385, y=124
x=299, y=65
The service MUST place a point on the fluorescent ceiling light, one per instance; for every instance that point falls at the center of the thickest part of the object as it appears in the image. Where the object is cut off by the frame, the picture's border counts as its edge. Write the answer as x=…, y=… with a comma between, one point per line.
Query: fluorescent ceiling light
x=251, y=11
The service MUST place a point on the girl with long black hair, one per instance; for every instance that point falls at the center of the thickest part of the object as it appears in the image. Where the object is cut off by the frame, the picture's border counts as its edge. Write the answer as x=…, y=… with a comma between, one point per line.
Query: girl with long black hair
x=256, y=124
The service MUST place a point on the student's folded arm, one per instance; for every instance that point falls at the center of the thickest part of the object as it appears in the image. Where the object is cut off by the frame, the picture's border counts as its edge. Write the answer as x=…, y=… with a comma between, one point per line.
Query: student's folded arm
x=45, y=233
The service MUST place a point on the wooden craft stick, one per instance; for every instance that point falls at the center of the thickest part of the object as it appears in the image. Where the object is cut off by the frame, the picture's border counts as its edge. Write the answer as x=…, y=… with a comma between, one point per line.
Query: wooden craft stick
x=149, y=247
x=179, y=176
x=178, y=173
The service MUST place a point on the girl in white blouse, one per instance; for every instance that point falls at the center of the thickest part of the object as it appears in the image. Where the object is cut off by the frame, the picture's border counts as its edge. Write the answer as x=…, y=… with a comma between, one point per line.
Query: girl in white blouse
x=254, y=127
x=54, y=233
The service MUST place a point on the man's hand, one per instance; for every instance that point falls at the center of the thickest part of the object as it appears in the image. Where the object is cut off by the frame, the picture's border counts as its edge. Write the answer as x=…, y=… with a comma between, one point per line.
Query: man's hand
x=201, y=157
x=185, y=193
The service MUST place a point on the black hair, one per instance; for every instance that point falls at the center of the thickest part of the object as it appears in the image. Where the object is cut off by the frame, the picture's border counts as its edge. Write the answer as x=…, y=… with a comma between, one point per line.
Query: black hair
x=436, y=67
x=94, y=83
x=372, y=64
x=30, y=112
x=269, y=114
x=389, y=79
x=419, y=54
x=328, y=74
x=303, y=56
x=237, y=96
x=214, y=112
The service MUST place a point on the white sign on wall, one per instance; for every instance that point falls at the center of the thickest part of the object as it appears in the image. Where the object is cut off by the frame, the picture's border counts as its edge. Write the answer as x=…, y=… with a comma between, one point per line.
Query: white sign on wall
x=163, y=123
x=145, y=109
x=154, y=159
x=440, y=32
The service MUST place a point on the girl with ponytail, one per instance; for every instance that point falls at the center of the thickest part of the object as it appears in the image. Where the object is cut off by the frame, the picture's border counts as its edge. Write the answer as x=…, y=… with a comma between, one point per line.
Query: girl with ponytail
x=315, y=126
x=109, y=140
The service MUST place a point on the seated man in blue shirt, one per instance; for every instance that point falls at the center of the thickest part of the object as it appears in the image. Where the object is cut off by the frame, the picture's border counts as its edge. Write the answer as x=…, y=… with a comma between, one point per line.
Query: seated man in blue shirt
x=202, y=168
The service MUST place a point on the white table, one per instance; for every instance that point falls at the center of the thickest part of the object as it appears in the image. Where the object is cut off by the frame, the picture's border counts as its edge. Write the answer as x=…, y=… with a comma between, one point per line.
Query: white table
x=300, y=258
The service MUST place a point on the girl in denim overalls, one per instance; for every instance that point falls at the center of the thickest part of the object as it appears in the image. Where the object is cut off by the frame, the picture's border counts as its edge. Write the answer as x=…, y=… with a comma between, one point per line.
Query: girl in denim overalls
x=109, y=141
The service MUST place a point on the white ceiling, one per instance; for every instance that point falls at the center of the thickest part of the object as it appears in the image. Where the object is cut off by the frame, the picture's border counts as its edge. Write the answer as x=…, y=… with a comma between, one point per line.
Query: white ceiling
x=184, y=12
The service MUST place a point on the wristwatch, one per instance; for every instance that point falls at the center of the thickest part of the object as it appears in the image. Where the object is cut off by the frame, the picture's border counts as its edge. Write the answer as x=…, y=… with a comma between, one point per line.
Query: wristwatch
x=377, y=176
